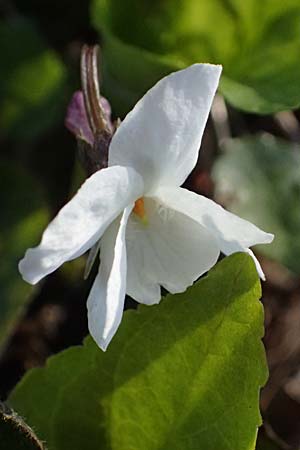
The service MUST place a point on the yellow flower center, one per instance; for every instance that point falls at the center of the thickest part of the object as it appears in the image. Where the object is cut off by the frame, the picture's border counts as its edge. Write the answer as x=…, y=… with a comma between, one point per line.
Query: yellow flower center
x=139, y=210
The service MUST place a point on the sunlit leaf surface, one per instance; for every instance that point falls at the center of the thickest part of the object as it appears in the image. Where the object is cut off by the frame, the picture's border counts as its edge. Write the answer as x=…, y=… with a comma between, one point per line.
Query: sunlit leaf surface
x=181, y=375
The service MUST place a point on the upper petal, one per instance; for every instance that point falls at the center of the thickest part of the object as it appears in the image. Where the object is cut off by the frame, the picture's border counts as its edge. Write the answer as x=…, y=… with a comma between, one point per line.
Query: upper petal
x=82, y=221
x=172, y=251
x=106, y=300
x=161, y=136
x=233, y=233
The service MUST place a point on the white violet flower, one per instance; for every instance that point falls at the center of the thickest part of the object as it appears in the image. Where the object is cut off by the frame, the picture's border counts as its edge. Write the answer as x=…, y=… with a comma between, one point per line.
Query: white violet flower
x=151, y=232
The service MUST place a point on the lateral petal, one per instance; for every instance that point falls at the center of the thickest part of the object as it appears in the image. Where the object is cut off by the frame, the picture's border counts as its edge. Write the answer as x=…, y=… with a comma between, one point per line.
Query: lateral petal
x=257, y=264
x=82, y=221
x=160, y=138
x=233, y=233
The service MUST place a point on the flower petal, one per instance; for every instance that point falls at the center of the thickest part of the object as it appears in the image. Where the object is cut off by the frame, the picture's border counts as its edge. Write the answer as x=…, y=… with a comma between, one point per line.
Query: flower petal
x=161, y=136
x=257, y=264
x=82, y=221
x=172, y=250
x=233, y=233
x=106, y=300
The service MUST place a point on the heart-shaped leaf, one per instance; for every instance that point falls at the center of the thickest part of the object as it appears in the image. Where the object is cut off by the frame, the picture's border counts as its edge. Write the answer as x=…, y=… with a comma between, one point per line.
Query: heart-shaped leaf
x=184, y=374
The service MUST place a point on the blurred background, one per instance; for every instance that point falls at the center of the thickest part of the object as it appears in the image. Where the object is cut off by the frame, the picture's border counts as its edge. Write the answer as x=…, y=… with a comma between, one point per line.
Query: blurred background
x=250, y=158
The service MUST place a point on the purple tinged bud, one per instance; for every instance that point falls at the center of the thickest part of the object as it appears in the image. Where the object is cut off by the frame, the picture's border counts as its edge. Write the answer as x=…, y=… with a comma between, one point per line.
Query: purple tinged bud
x=76, y=119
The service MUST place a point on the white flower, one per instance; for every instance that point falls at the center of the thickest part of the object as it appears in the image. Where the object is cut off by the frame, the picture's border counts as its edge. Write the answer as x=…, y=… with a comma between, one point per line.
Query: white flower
x=153, y=232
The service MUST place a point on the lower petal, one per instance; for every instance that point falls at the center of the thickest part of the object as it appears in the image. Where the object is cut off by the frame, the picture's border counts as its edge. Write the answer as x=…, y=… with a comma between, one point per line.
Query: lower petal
x=172, y=251
x=106, y=300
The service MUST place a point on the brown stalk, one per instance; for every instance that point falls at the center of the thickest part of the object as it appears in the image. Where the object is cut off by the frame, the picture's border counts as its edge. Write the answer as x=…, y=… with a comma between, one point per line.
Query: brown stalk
x=90, y=88
x=96, y=157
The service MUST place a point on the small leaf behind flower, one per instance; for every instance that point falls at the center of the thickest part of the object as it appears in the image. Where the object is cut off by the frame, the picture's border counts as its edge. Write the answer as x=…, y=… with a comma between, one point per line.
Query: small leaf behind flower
x=258, y=178
x=182, y=375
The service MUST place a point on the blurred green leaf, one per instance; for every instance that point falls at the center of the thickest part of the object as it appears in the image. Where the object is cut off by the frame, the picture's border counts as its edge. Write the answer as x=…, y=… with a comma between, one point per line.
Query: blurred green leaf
x=258, y=43
x=128, y=72
x=15, y=434
x=184, y=374
x=23, y=218
x=258, y=178
x=32, y=80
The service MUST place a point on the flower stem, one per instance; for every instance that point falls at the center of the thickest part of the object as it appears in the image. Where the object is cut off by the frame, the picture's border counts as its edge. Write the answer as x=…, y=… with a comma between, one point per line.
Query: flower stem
x=97, y=157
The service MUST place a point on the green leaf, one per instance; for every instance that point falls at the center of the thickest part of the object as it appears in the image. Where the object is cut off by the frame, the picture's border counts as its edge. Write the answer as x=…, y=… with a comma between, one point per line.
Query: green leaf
x=15, y=434
x=184, y=374
x=258, y=178
x=258, y=43
x=23, y=218
x=31, y=82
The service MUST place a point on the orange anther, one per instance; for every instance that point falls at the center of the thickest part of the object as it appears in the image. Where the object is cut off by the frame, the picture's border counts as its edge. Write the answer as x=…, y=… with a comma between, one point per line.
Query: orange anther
x=139, y=209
